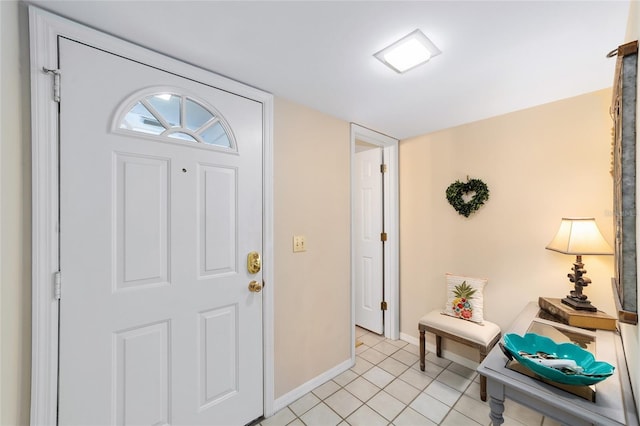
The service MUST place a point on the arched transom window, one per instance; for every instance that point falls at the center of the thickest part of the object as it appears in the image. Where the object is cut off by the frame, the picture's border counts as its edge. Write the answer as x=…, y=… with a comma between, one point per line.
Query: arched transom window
x=175, y=116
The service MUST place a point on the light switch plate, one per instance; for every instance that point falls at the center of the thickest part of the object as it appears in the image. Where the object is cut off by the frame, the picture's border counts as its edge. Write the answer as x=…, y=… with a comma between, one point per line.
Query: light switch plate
x=299, y=243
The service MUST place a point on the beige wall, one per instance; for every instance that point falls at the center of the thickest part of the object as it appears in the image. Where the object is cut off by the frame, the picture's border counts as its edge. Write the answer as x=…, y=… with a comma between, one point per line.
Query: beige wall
x=15, y=235
x=540, y=164
x=312, y=288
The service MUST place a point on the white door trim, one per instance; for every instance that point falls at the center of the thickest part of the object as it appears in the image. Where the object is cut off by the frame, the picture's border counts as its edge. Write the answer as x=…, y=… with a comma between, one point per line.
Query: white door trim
x=392, y=259
x=45, y=28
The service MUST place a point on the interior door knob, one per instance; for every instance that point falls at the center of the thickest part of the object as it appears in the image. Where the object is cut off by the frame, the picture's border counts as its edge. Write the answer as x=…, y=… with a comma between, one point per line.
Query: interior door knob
x=255, y=287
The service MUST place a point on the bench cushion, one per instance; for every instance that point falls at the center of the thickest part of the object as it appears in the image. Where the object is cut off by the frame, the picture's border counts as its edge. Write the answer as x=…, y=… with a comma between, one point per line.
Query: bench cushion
x=478, y=333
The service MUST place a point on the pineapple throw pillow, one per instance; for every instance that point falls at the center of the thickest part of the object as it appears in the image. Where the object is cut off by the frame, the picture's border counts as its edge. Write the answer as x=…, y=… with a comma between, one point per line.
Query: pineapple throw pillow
x=464, y=298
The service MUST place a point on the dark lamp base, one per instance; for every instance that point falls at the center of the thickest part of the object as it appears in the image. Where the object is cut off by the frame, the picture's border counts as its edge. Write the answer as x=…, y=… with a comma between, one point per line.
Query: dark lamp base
x=579, y=305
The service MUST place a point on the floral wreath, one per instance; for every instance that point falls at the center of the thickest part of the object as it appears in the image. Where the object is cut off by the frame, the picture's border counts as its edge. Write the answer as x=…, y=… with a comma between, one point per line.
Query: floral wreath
x=458, y=189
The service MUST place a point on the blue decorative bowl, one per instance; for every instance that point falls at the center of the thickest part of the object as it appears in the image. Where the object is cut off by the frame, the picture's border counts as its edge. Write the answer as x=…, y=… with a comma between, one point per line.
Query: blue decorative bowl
x=592, y=371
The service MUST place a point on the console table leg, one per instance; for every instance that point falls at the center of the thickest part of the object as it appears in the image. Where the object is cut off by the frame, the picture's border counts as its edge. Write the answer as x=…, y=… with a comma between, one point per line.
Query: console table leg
x=496, y=401
x=497, y=409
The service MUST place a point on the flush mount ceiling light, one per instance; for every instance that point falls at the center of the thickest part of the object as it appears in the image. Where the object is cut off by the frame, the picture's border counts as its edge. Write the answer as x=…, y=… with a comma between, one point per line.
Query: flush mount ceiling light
x=410, y=51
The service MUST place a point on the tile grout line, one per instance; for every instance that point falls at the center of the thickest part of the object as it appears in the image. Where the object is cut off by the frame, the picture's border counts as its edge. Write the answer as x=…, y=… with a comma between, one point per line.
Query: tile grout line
x=380, y=389
x=396, y=376
x=343, y=387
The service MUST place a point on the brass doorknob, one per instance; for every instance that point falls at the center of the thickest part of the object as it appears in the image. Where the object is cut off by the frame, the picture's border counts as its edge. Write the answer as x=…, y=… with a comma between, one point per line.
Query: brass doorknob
x=255, y=287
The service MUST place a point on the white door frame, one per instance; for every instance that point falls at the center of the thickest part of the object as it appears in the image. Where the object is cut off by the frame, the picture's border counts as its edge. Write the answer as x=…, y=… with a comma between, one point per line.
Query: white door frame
x=391, y=247
x=45, y=28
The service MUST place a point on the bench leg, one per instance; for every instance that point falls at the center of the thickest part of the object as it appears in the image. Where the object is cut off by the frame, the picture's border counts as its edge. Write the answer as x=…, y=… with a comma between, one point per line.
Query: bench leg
x=483, y=380
x=483, y=388
x=422, y=350
x=439, y=345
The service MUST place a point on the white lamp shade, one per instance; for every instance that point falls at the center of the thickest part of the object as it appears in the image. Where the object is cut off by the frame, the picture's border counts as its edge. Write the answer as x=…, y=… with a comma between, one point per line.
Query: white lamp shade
x=578, y=236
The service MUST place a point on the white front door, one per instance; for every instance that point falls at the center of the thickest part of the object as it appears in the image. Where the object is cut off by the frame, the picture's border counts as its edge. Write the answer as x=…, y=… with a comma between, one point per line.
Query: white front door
x=160, y=203
x=368, y=223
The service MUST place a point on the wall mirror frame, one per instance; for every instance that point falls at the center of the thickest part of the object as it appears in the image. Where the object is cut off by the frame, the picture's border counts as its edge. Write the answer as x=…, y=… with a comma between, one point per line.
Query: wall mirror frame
x=623, y=113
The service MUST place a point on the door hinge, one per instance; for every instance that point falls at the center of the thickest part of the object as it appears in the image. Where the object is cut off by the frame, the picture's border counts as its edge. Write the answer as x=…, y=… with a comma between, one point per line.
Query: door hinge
x=383, y=168
x=383, y=236
x=383, y=305
x=57, y=285
x=56, y=82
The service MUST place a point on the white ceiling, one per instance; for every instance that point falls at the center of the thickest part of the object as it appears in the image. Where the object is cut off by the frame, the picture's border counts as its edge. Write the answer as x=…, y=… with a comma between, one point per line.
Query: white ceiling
x=498, y=56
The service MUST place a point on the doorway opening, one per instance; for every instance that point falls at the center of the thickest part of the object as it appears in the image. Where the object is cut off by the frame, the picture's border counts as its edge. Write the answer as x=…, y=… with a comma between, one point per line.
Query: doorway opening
x=374, y=233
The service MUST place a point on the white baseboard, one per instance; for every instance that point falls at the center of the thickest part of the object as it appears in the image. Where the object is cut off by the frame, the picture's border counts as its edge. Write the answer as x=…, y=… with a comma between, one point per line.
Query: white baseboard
x=409, y=339
x=307, y=387
x=451, y=356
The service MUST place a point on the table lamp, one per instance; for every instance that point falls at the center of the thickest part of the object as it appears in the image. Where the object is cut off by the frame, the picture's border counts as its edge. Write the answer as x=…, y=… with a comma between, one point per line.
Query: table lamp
x=579, y=236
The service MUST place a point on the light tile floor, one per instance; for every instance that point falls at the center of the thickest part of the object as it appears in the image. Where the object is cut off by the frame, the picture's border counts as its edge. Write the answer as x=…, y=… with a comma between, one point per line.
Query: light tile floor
x=386, y=387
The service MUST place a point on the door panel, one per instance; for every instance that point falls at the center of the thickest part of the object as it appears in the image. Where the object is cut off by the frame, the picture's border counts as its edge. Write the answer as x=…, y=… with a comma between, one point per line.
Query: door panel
x=219, y=354
x=217, y=226
x=142, y=220
x=142, y=374
x=157, y=325
x=368, y=247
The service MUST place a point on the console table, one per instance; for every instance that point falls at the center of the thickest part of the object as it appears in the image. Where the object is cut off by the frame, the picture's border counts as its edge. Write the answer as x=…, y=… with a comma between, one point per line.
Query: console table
x=614, y=403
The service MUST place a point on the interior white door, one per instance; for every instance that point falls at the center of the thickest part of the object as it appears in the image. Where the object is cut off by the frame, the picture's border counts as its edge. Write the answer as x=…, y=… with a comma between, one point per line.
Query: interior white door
x=157, y=323
x=368, y=211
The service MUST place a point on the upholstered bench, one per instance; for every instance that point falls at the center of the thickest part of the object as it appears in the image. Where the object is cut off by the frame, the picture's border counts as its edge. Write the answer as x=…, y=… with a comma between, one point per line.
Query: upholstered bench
x=482, y=337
